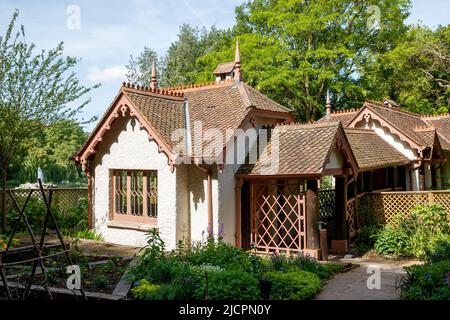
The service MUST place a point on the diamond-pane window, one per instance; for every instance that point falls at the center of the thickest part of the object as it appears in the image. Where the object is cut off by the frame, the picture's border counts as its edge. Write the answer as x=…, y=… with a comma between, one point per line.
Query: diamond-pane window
x=135, y=195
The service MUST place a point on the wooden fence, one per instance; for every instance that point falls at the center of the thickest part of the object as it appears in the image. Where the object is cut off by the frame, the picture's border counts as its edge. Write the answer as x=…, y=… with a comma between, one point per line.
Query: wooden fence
x=386, y=206
x=63, y=198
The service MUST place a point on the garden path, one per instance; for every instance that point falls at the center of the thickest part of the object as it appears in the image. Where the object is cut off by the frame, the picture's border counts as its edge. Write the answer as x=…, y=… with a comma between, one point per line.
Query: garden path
x=353, y=285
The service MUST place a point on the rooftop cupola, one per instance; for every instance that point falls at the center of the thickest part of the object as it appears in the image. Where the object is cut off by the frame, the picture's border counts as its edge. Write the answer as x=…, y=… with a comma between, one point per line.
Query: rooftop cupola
x=230, y=71
x=391, y=104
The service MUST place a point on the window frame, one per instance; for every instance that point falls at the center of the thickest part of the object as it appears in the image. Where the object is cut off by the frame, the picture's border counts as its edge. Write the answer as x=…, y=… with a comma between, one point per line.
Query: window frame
x=129, y=216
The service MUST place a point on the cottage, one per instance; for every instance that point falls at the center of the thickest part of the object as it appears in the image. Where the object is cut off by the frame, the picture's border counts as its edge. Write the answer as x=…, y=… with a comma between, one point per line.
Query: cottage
x=224, y=159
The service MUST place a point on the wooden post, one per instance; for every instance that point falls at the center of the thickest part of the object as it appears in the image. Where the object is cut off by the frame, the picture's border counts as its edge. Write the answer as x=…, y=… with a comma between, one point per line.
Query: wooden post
x=443, y=177
x=395, y=178
x=341, y=207
x=145, y=204
x=312, y=215
x=355, y=192
x=238, y=221
x=324, y=244
x=371, y=181
x=422, y=177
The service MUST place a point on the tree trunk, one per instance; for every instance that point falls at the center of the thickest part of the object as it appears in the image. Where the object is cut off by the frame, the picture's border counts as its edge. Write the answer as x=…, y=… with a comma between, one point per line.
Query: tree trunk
x=4, y=195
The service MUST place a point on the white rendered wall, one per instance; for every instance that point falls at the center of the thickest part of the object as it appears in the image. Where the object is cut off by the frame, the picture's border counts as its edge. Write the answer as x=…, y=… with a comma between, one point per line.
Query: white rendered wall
x=125, y=147
x=198, y=203
x=336, y=161
x=395, y=142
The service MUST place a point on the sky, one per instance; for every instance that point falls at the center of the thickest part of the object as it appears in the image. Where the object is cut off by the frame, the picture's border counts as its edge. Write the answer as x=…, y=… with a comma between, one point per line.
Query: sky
x=103, y=34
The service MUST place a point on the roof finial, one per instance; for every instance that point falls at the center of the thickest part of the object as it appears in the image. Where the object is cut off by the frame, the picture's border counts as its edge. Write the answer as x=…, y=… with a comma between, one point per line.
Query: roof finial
x=328, y=103
x=154, y=83
x=237, y=64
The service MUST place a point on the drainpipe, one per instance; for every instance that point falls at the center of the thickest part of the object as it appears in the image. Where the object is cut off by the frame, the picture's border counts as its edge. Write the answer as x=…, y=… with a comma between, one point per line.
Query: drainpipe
x=89, y=190
x=208, y=172
x=210, y=208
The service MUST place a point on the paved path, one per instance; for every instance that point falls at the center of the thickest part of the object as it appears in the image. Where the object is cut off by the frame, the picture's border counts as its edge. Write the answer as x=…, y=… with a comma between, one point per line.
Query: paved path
x=352, y=285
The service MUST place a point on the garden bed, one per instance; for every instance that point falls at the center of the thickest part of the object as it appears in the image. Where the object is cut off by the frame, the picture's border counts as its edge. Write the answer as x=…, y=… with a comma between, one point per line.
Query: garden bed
x=214, y=270
x=101, y=277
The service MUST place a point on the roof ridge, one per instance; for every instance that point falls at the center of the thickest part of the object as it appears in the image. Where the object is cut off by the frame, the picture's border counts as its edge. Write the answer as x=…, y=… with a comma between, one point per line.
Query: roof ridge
x=163, y=92
x=379, y=104
x=346, y=111
x=203, y=85
x=314, y=125
x=435, y=116
x=360, y=130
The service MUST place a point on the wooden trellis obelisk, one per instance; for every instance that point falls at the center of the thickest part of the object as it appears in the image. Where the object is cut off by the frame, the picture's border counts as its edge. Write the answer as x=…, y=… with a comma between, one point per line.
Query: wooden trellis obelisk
x=38, y=260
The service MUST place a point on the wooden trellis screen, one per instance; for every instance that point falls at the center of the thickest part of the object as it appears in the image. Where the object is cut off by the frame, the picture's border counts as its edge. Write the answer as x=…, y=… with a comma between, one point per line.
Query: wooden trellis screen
x=64, y=198
x=385, y=206
x=278, y=217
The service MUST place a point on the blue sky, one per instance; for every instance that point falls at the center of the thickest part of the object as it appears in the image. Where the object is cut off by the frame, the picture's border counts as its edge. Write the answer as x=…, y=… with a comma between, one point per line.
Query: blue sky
x=110, y=31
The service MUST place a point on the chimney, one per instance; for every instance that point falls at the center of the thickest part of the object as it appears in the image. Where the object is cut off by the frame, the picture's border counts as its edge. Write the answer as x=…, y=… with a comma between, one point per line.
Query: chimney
x=328, y=103
x=154, y=83
x=237, y=64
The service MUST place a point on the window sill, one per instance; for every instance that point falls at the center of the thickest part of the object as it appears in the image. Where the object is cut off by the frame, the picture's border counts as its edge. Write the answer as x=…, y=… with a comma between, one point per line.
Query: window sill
x=137, y=226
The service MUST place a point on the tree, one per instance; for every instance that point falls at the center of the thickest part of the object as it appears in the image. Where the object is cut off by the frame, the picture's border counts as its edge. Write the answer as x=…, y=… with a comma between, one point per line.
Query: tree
x=37, y=90
x=293, y=50
x=415, y=73
x=47, y=152
x=179, y=64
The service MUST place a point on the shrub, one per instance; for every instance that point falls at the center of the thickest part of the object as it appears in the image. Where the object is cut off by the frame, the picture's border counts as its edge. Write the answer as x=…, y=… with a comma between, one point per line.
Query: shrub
x=440, y=251
x=220, y=254
x=426, y=282
x=310, y=264
x=229, y=285
x=367, y=237
x=392, y=242
x=144, y=290
x=86, y=234
x=415, y=235
x=293, y=285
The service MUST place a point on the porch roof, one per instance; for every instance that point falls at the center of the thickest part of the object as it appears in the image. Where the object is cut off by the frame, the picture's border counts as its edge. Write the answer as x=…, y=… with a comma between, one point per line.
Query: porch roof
x=372, y=152
x=304, y=150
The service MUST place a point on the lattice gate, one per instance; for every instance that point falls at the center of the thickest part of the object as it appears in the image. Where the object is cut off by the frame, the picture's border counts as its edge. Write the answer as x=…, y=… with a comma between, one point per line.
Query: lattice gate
x=278, y=216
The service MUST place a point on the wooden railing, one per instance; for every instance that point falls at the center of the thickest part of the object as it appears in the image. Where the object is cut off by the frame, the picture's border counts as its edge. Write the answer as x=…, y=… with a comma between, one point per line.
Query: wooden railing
x=386, y=206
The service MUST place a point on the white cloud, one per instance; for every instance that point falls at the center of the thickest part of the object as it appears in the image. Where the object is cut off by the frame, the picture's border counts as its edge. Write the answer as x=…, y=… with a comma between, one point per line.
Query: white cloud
x=112, y=73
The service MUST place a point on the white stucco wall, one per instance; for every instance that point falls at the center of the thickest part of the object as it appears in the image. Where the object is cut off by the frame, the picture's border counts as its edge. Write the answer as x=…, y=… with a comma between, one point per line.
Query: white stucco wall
x=227, y=202
x=395, y=142
x=125, y=147
x=198, y=203
x=336, y=161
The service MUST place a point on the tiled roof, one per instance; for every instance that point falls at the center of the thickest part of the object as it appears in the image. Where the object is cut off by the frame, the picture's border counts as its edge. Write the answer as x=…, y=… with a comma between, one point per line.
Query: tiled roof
x=405, y=122
x=260, y=101
x=164, y=114
x=345, y=116
x=220, y=106
x=303, y=150
x=226, y=67
x=371, y=151
x=442, y=125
